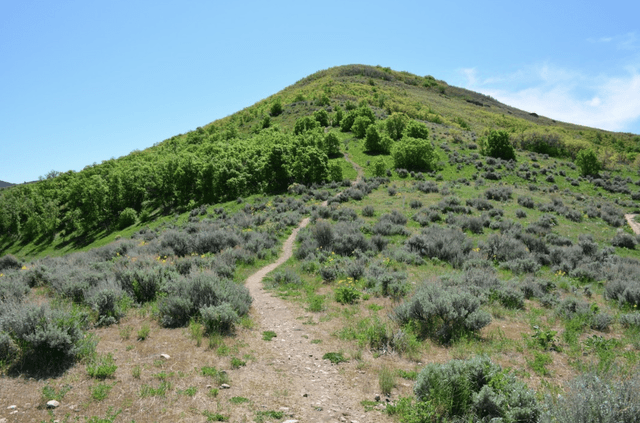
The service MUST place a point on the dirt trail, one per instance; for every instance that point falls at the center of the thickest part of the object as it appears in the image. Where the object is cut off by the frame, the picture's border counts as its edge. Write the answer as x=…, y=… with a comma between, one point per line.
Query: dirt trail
x=318, y=390
x=356, y=167
x=631, y=221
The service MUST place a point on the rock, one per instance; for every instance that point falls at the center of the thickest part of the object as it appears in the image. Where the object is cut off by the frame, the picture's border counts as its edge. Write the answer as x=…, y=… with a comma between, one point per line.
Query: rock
x=209, y=386
x=165, y=356
x=377, y=398
x=53, y=404
x=290, y=421
x=12, y=407
x=305, y=395
x=225, y=386
x=3, y=420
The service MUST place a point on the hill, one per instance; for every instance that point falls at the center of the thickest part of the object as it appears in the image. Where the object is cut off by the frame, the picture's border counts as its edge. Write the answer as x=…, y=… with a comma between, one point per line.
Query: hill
x=4, y=184
x=354, y=247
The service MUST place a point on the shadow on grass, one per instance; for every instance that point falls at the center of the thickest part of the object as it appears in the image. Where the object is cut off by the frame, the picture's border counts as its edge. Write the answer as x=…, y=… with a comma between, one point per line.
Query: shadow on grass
x=41, y=365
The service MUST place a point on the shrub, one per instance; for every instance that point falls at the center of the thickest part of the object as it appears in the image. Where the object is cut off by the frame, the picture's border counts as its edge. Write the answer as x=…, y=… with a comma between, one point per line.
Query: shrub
x=8, y=348
x=427, y=186
x=597, y=398
x=500, y=248
x=498, y=193
x=218, y=319
x=442, y=312
x=48, y=337
x=368, y=211
x=630, y=320
x=476, y=390
x=625, y=291
x=188, y=295
x=525, y=201
x=9, y=262
x=588, y=162
x=323, y=234
x=348, y=239
x=105, y=299
x=624, y=240
x=498, y=145
x=446, y=244
x=521, y=265
x=414, y=154
x=415, y=204
x=127, y=218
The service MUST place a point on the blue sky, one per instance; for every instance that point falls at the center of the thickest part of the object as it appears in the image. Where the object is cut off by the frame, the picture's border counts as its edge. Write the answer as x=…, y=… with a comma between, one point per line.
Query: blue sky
x=82, y=82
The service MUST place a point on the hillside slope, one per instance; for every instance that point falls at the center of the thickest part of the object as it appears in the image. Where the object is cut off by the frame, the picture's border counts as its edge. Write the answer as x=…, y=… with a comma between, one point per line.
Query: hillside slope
x=351, y=249
x=236, y=156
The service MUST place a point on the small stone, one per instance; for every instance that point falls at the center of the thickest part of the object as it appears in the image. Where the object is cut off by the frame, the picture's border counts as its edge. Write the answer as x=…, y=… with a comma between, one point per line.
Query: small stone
x=377, y=398
x=225, y=386
x=209, y=386
x=290, y=421
x=165, y=356
x=284, y=408
x=53, y=404
x=3, y=420
x=305, y=395
x=12, y=407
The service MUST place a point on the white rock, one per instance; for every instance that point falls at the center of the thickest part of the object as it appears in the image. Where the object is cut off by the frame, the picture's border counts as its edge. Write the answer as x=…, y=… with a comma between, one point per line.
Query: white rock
x=290, y=421
x=165, y=356
x=53, y=404
x=224, y=386
x=3, y=420
x=12, y=407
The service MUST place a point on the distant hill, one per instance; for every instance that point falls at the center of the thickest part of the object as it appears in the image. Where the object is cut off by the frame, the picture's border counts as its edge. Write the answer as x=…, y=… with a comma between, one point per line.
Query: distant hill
x=4, y=184
x=284, y=140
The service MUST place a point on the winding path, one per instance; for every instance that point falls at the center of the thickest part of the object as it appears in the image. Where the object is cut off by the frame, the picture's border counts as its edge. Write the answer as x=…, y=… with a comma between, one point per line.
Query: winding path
x=317, y=390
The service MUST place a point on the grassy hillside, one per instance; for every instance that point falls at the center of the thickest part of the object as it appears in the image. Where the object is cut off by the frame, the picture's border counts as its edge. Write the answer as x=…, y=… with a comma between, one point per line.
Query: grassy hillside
x=404, y=282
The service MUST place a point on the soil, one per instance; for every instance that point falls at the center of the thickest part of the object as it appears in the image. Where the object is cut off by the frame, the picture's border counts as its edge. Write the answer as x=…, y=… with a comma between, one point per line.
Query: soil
x=635, y=226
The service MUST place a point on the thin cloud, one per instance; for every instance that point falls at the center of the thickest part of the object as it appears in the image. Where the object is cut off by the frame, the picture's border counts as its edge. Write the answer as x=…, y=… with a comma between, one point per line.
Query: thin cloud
x=606, y=102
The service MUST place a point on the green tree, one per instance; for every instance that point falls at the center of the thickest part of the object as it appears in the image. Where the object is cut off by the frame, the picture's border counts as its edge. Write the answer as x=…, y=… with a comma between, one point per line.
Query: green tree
x=337, y=117
x=331, y=144
x=414, y=154
x=372, y=141
x=304, y=124
x=335, y=171
x=498, y=145
x=588, y=162
x=379, y=167
x=360, y=126
x=322, y=117
x=276, y=108
x=415, y=129
x=395, y=125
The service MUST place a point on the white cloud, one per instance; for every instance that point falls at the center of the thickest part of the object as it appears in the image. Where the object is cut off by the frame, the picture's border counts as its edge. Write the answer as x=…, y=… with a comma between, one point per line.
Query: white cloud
x=607, y=102
x=470, y=74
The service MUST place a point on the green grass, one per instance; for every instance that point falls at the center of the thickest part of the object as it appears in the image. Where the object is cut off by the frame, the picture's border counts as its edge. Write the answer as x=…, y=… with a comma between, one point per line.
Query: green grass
x=335, y=357
x=102, y=366
x=100, y=391
x=268, y=335
x=238, y=400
